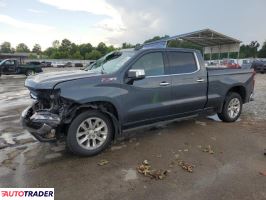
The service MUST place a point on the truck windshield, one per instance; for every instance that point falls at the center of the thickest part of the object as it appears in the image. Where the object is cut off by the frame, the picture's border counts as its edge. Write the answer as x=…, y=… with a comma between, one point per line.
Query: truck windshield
x=111, y=62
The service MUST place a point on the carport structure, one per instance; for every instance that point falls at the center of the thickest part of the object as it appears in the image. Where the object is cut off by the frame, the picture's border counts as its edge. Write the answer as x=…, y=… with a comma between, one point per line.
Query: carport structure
x=211, y=41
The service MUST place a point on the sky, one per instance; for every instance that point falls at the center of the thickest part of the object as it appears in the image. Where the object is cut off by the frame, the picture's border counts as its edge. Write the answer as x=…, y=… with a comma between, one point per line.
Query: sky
x=133, y=21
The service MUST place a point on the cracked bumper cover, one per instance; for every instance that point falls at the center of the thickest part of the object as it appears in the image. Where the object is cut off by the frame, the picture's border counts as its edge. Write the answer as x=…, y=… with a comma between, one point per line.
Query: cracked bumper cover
x=41, y=124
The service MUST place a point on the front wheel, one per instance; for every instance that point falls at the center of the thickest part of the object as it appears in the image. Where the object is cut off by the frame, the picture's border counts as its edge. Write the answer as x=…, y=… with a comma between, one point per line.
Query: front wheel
x=232, y=108
x=89, y=133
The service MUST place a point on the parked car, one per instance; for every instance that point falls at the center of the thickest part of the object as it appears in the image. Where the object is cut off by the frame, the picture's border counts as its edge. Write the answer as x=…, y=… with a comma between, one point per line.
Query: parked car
x=12, y=66
x=259, y=66
x=129, y=89
x=68, y=64
x=231, y=63
x=58, y=64
x=37, y=63
x=80, y=65
x=46, y=64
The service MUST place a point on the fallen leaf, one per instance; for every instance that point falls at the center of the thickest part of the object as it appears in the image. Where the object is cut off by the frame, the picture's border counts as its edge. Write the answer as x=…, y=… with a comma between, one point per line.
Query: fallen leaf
x=201, y=123
x=103, y=162
x=145, y=169
x=208, y=149
x=186, y=166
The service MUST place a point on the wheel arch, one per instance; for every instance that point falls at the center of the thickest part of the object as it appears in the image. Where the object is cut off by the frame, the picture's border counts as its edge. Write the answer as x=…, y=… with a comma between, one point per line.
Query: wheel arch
x=240, y=89
x=107, y=108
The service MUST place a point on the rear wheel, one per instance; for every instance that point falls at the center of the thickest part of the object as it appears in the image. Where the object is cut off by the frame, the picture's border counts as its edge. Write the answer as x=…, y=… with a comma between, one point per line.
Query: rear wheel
x=30, y=73
x=90, y=133
x=232, y=107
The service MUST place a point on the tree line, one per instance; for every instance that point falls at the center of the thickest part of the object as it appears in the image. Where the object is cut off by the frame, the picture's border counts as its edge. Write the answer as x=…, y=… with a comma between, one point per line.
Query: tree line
x=69, y=50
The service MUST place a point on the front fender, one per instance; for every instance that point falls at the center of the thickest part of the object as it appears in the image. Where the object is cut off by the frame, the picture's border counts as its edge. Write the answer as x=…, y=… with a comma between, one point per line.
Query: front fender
x=83, y=91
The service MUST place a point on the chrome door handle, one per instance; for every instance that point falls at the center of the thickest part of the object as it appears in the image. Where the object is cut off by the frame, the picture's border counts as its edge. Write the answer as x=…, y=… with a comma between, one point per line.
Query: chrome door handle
x=164, y=83
x=200, y=80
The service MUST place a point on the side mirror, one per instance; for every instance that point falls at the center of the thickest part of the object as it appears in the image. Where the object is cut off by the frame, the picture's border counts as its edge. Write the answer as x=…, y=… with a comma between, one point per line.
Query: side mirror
x=136, y=74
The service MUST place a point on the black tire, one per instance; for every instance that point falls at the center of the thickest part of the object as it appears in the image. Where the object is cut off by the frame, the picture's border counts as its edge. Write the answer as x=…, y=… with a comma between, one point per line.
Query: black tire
x=224, y=115
x=29, y=72
x=71, y=141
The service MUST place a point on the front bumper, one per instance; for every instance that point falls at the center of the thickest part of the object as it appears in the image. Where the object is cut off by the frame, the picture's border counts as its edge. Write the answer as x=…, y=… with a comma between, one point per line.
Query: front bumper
x=41, y=124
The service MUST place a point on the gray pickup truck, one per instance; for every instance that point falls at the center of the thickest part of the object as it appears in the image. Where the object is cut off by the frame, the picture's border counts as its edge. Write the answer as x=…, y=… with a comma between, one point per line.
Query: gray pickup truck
x=12, y=66
x=128, y=89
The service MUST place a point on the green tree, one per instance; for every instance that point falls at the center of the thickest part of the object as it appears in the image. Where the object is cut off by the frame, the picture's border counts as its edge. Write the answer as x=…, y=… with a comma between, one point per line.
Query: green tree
x=37, y=49
x=102, y=48
x=5, y=47
x=155, y=38
x=56, y=44
x=262, y=51
x=183, y=44
x=85, y=49
x=33, y=56
x=65, y=48
x=23, y=48
x=77, y=55
x=110, y=49
x=127, y=45
x=93, y=55
x=49, y=52
x=250, y=50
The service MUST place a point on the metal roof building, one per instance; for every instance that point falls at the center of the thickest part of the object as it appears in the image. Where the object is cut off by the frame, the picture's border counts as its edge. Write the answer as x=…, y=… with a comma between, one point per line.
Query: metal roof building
x=211, y=41
x=20, y=56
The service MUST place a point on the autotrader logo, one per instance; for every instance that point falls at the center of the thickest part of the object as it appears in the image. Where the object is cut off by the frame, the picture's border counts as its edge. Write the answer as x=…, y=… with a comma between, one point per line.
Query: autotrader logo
x=27, y=193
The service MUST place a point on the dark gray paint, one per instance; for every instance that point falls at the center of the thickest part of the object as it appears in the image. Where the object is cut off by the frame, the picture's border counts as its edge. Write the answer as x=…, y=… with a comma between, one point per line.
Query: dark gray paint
x=145, y=101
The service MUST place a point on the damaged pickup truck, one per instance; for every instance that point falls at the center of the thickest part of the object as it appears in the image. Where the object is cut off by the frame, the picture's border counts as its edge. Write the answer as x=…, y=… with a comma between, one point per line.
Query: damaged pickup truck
x=128, y=89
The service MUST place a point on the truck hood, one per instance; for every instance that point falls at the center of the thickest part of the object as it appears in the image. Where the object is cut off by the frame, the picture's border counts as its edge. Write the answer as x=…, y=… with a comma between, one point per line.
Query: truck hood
x=49, y=80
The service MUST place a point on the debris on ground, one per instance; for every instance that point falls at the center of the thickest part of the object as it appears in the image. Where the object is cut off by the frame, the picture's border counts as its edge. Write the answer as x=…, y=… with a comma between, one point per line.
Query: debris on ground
x=103, y=162
x=53, y=156
x=186, y=166
x=146, y=170
x=114, y=148
x=264, y=152
x=208, y=149
x=200, y=123
x=263, y=173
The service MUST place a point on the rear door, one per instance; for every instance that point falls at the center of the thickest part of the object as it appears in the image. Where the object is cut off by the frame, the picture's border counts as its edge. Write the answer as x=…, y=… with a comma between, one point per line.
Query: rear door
x=189, y=82
x=148, y=99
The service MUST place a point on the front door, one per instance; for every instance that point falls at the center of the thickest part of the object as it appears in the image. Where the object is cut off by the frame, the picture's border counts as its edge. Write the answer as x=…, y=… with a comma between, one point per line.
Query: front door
x=9, y=67
x=148, y=99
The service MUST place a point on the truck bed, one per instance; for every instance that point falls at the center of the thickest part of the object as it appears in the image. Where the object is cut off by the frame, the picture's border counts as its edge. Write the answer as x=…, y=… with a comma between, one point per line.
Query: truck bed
x=220, y=80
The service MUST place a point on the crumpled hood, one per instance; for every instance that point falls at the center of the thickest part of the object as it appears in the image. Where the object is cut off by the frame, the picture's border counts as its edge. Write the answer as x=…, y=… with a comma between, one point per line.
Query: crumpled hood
x=49, y=80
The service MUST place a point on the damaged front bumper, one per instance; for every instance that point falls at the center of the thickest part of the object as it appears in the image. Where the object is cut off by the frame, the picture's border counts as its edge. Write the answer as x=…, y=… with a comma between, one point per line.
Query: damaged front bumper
x=42, y=124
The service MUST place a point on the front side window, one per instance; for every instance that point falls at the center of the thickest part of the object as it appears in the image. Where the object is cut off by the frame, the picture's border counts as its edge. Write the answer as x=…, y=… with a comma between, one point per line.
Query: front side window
x=10, y=62
x=181, y=62
x=152, y=63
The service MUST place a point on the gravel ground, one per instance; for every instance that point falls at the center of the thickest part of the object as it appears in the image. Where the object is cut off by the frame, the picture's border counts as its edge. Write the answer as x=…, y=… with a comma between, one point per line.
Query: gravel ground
x=227, y=158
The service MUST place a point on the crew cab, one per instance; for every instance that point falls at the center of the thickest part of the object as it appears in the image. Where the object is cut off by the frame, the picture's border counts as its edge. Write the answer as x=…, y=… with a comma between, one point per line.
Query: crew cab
x=12, y=66
x=131, y=88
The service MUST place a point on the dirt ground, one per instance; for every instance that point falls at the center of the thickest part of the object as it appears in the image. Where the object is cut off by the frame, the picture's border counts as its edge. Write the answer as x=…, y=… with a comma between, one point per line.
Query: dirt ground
x=227, y=158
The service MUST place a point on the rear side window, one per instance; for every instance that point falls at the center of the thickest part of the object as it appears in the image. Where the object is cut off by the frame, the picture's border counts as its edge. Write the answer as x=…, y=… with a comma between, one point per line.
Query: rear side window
x=181, y=62
x=152, y=63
